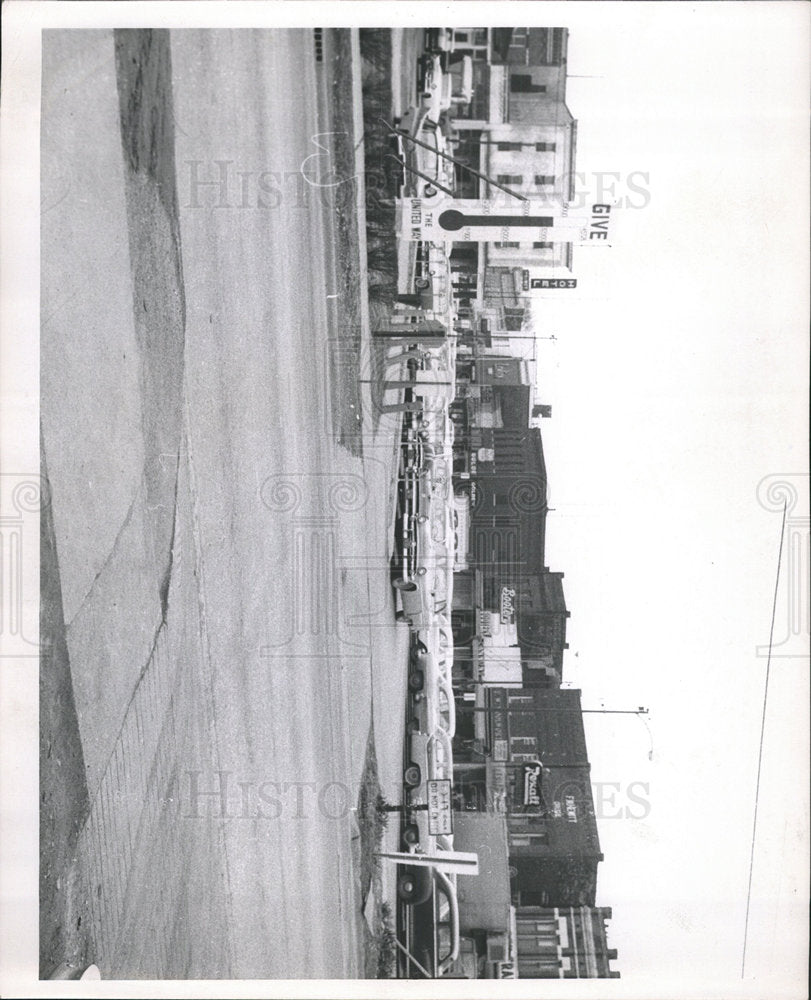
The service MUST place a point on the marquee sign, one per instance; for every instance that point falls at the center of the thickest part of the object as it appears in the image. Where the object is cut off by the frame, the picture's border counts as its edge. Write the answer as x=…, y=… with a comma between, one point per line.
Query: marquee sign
x=467, y=220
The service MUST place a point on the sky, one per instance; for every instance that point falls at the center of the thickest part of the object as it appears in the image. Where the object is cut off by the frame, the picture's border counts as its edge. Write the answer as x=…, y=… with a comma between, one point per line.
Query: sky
x=678, y=382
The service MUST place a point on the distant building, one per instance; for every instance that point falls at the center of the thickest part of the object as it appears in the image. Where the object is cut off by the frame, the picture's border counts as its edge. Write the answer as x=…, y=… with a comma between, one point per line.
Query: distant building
x=563, y=943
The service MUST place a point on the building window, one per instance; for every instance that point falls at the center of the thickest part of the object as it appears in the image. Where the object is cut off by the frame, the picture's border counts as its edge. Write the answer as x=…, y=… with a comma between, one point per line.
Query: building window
x=527, y=840
x=510, y=179
x=509, y=147
x=542, y=246
x=521, y=83
x=507, y=246
x=545, y=147
x=544, y=180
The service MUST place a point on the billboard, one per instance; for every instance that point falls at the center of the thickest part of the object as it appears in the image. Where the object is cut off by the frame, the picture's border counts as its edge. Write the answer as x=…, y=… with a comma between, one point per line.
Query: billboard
x=467, y=220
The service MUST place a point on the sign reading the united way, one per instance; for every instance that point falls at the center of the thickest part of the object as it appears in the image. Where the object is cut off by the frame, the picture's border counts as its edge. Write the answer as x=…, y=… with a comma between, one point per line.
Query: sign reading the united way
x=458, y=220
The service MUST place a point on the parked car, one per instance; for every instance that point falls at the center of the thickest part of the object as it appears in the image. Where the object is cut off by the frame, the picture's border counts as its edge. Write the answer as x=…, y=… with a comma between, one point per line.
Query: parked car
x=431, y=759
x=443, y=82
x=436, y=937
x=431, y=685
x=433, y=287
x=426, y=167
x=420, y=604
x=438, y=636
x=438, y=40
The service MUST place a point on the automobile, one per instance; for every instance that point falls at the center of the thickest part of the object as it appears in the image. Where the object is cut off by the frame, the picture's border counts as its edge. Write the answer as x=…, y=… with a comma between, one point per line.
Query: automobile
x=433, y=282
x=438, y=40
x=436, y=940
x=442, y=82
x=430, y=758
x=426, y=165
x=413, y=451
x=420, y=604
x=431, y=686
x=461, y=503
x=432, y=911
x=438, y=636
x=434, y=88
x=460, y=73
x=435, y=469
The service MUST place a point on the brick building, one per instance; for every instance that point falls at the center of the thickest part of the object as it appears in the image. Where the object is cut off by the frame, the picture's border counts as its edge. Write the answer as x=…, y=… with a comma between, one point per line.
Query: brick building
x=533, y=766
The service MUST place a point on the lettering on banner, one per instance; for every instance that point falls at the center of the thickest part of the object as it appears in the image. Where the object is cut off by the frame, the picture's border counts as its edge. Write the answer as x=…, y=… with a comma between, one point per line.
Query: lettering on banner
x=599, y=222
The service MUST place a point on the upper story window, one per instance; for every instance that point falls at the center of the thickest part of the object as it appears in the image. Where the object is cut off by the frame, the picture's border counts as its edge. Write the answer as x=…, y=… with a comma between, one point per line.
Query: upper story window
x=509, y=178
x=544, y=180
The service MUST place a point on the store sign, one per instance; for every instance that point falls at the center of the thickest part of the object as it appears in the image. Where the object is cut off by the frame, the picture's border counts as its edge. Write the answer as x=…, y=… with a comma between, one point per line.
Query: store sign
x=557, y=810
x=500, y=750
x=507, y=605
x=524, y=280
x=571, y=809
x=532, y=783
x=440, y=811
x=554, y=283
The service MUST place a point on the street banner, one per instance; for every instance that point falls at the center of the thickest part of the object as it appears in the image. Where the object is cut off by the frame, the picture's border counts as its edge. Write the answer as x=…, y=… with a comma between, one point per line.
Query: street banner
x=459, y=220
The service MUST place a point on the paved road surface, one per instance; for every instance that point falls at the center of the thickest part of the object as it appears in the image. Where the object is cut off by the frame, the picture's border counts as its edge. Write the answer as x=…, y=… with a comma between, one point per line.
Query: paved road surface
x=223, y=560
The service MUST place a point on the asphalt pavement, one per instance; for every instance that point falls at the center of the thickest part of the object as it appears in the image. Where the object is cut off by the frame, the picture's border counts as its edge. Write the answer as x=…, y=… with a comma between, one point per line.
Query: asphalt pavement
x=223, y=558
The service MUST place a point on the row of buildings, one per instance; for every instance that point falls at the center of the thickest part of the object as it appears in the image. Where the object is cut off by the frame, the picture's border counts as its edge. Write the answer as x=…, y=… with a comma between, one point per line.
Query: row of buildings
x=521, y=770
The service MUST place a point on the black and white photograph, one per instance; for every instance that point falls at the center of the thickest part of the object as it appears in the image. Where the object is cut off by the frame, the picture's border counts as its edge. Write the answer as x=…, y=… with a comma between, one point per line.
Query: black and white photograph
x=404, y=499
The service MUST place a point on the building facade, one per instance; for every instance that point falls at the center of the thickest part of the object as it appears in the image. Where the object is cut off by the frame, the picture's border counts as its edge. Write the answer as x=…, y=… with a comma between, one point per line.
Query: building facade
x=563, y=943
x=528, y=760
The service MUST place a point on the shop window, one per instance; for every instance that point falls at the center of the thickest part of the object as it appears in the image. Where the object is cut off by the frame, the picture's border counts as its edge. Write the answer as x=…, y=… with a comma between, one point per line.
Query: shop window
x=509, y=178
x=521, y=83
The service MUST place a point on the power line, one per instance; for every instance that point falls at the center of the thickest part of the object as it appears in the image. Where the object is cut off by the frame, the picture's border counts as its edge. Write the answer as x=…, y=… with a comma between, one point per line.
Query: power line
x=760, y=748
